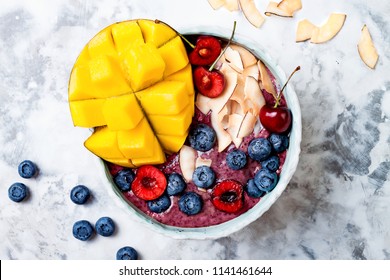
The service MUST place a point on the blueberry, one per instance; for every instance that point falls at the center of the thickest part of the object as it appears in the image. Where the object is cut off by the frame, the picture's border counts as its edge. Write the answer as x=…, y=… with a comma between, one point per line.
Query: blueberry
x=27, y=169
x=279, y=142
x=259, y=149
x=82, y=230
x=160, y=204
x=236, y=159
x=271, y=163
x=17, y=192
x=79, y=194
x=176, y=184
x=203, y=177
x=266, y=180
x=252, y=190
x=124, y=178
x=202, y=137
x=105, y=226
x=190, y=203
x=127, y=253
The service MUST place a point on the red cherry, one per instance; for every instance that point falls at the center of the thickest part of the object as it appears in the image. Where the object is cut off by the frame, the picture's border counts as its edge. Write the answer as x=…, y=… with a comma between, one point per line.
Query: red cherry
x=275, y=120
x=149, y=183
x=228, y=196
x=209, y=83
x=206, y=51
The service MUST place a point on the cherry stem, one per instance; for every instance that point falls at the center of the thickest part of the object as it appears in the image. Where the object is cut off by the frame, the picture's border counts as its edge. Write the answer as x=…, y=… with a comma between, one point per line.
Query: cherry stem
x=224, y=50
x=181, y=36
x=285, y=84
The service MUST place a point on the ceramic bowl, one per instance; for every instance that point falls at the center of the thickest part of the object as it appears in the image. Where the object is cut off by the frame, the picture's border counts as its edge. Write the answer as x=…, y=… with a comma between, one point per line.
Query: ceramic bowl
x=226, y=228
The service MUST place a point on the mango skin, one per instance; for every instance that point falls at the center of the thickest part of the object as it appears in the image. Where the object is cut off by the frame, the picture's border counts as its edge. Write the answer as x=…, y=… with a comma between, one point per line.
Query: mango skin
x=126, y=80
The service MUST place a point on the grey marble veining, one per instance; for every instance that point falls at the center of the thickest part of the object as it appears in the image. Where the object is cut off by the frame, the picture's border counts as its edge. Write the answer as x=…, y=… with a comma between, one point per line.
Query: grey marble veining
x=336, y=206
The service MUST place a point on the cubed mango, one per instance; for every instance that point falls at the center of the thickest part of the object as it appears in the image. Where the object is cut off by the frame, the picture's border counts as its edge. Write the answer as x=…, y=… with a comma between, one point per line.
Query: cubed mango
x=158, y=156
x=104, y=143
x=80, y=85
x=174, y=55
x=126, y=33
x=102, y=43
x=172, y=143
x=184, y=75
x=87, y=113
x=156, y=33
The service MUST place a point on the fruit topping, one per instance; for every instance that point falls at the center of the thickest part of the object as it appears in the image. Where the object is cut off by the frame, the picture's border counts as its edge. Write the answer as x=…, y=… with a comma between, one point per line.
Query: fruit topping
x=80, y=194
x=187, y=156
x=259, y=149
x=27, y=169
x=228, y=196
x=124, y=178
x=236, y=159
x=17, y=192
x=160, y=204
x=127, y=253
x=286, y=8
x=265, y=180
x=105, y=226
x=190, y=203
x=367, y=49
x=202, y=137
x=279, y=142
x=149, y=183
x=82, y=230
x=251, y=13
x=203, y=177
x=176, y=184
x=206, y=51
x=277, y=120
x=209, y=83
x=252, y=190
x=271, y=163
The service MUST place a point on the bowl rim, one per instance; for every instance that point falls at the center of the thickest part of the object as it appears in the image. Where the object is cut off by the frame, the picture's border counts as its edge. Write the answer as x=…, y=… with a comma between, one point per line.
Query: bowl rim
x=292, y=158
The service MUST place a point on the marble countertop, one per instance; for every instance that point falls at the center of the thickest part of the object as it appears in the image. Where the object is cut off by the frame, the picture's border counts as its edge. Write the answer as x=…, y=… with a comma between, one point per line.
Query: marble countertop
x=336, y=206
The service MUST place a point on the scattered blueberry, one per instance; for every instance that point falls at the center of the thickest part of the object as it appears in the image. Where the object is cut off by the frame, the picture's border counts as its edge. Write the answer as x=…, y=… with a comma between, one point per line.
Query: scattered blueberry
x=27, y=169
x=82, y=230
x=203, y=177
x=190, y=203
x=252, y=190
x=17, y=192
x=271, y=163
x=127, y=253
x=259, y=149
x=279, y=142
x=176, y=184
x=160, y=204
x=124, y=178
x=105, y=226
x=79, y=194
x=202, y=137
x=265, y=180
x=236, y=159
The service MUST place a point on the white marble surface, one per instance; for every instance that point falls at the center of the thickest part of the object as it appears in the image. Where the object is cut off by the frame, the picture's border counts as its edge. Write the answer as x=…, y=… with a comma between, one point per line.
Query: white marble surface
x=337, y=205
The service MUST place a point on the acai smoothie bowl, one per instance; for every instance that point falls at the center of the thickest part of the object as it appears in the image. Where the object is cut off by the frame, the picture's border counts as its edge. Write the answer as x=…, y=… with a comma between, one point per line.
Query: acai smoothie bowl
x=194, y=129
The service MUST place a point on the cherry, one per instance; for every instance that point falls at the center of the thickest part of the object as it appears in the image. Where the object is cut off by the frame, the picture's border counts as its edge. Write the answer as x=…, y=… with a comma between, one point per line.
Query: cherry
x=228, y=196
x=209, y=83
x=206, y=51
x=274, y=118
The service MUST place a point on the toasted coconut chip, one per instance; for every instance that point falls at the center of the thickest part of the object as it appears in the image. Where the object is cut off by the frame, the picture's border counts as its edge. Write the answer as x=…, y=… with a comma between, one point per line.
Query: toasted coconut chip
x=223, y=116
x=216, y=104
x=187, y=157
x=247, y=125
x=273, y=9
x=253, y=93
x=203, y=161
x=251, y=13
x=266, y=81
x=216, y=4
x=326, y=32
x=233, y=58
x=202, y=103
x=290, y=5
x=247, y=57
x=367, y=49
x=223, y=137
x=235, y=121
x=251, y=71
x=305, y=30
x=238, y=108
x=232, y=5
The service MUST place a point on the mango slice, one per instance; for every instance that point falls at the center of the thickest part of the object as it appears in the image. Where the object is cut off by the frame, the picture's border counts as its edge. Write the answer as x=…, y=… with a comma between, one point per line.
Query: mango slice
x=133, y=84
